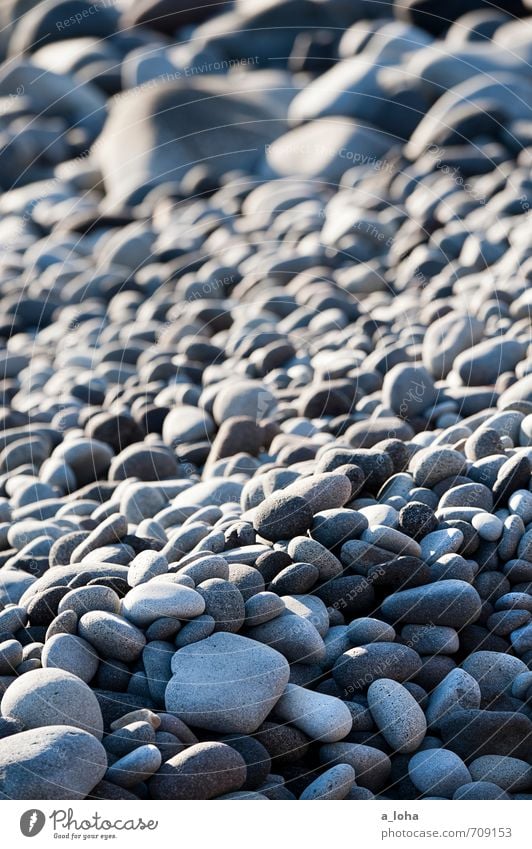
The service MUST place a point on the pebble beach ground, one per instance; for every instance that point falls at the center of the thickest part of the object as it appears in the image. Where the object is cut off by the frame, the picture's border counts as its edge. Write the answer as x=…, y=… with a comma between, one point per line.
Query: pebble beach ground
x=266, y=418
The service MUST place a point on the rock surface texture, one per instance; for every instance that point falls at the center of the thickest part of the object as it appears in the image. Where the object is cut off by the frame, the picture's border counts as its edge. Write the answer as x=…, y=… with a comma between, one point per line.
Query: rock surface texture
x=265, y=400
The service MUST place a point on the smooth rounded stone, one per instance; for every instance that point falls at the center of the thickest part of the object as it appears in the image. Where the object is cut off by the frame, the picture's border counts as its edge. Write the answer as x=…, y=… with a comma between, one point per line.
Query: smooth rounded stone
x=325, y=491
x=127, y=737
x=309, y=607
x=246, y=579
x=372, y=766
x=350, y=595
x=494, y=672
x=319, y=716
x=296, y=637
x=305, y=550
x=391, y=540
x=438, y=772
x=187, y=424
x=147, y=602
x=408, y=390
x=75, y=655
x=297, y=578
x=141, y=715
x=85, y=599
x=483, y=363
x=64, y=623
x=53, y=762
x=332, y=528
x=197, y=629
x=504, y=622
x=439, y=543
x=399, y=573
x=146, y=565
x=513, y=530
x=446, y=338
x=10, y=656
x=156, y=659
x=417, y=520
x=205, y=567
x=450, y=603
x=431, y=639
x=243, y=398
x=474, y=733
x=397, y=715
x=370, y=433
x=367, y=630
x=45, y=697
x=313, y=151
x=522, y=640
x=263, y=607
x=224, y=602
x=256, y=756
x=111, y=635
x=110, y=531
x=483, y=442
x=134, y=767
x=479, y=790
x=202, y=771
x=282, y=516
x=215, y=492
x=357, y=668
x=336, y=643
x=62, y=549
x=467, y=495
x=511, y=774
x=512, y=476
x=335, y=783
x=12, y=618
x=429, y=466
x=226, y=683
x=520, y=504
x=489, y=527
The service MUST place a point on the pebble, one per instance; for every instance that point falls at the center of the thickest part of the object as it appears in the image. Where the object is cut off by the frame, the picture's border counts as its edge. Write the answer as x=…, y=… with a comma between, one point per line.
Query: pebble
x=51, y=697
x=58, y=761
x=320, y=717
x=372, y=766
x=139, y=765
x=451, y=603
x=335, y=783
x=226, y=683
x=359, y=667
x=437, y=772
x=147, y=602
x=202, y=771
x=397, y=715
x=74, y=654
x=111, y=635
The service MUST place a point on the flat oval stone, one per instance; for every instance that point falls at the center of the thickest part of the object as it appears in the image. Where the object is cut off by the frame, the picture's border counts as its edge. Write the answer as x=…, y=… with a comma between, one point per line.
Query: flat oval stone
x=148, y=602
x=372, y=766
x=74, y=654
x=473, y=733
x=357, y=668
x=45, y=697
x=511, y=774
x=321, y=717
x=226, y=683
x=432, y=465
x=202, y=771
x=335, y=783
x=437, y=772
x=282, y=516
x=112, y=635
x=397, y=715
x=450, y=603
x=53, y=762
